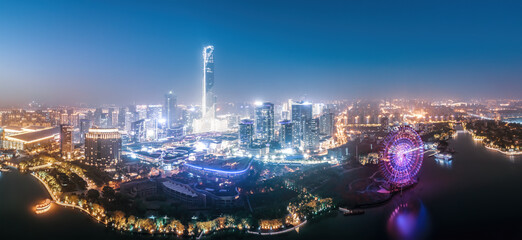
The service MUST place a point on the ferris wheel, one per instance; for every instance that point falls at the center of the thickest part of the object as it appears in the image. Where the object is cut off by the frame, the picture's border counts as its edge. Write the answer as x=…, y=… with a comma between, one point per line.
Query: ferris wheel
x=402, y=155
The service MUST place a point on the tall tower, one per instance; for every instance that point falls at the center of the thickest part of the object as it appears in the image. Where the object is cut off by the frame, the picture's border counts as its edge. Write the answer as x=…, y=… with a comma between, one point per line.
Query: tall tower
x=209, y=101
x=169, y=110
x=246, y=133
x=66, y=141
x=301, y=119
x=265, y=121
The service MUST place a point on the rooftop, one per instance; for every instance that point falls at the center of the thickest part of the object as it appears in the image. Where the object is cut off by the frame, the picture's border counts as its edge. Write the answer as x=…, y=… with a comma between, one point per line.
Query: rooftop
x=35, y=136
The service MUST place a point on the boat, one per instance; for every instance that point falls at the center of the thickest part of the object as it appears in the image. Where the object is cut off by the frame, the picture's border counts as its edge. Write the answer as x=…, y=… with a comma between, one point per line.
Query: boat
x=44, y=206
x=444, y=156
x=348, y=212
x=5, y=169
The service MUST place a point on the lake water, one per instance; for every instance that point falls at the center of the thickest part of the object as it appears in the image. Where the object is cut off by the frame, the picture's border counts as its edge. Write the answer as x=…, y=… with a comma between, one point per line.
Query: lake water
x=478, y=196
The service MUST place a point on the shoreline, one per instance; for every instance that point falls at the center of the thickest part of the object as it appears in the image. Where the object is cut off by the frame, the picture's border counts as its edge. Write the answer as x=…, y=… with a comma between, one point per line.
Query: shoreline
x=56, y=200
x=481, y=140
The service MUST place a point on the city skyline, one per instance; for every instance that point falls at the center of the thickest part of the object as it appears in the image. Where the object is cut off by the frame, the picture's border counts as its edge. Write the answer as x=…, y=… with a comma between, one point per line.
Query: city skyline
x=71, y=53
x=200, y=119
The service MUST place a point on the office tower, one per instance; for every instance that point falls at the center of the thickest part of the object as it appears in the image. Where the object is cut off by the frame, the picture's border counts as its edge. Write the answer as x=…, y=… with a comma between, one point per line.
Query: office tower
x=246, y=133
x=326, y=122
x=208, y=101
x=102, y=147
x=97, y=117
x=154, y=112
x=114, y=119
x=285, y=133
x=141, y=112
x=66, y=141
x=138, y=132
x=110, y=117
x=311, y=135
x=264, y=114
x=301, y=118
x=85, y=124
x=169, y=110
x=121, y=118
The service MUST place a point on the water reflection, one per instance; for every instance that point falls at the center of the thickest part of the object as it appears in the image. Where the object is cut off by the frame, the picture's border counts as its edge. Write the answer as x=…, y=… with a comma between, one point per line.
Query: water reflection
x=446, y=163
x=409, y=220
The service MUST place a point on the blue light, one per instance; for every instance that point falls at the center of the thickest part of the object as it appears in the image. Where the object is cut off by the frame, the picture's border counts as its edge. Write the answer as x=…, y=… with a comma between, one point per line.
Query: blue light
x=220, y=171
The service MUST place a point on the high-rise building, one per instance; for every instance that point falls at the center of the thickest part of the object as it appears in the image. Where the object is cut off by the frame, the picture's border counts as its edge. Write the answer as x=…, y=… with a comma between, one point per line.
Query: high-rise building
x=110, y=117
x=169, y=110
x=311, y=135
x=102, y=147
x=301, y=118
x=326, y=122
x=246, y=133
x=66, y=140
x=85, y=124
x=264, y=114
x=138, y=132
x=97, y=116
x=208, y=101
x=121, y=118
x=285, y=133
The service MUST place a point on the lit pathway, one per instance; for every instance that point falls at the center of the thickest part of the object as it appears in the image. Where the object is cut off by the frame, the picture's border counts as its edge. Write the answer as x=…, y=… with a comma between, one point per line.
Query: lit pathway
x=57, y=200
x=278, y=232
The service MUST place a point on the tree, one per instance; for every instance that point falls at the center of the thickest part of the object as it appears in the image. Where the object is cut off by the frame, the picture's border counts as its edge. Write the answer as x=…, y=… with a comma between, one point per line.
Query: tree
x=119, y=219
x=175, y=225
x=93, y=194
x=73, y=199
x=131, y=220
x=108, y=193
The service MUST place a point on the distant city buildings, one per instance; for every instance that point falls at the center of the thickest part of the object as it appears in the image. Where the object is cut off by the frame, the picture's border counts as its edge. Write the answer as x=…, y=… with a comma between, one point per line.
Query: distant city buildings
x=285, y=134
x=264, y=115
x=66, y=141
x=85, y=124
x=301, y=119
x=246, y=133
x=169, y=110
x=102, y=147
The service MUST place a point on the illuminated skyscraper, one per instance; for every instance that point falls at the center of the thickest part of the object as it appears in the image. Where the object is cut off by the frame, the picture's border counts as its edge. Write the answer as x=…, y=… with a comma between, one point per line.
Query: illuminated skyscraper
x=169, y=110
x=209, y=99
x=326, y=122
x=246, y=133
x=85, y=124
x=285, y=133
x=311, y=134
x=265, y=121
x=66, y=140
x=102, y=147
x=301, y=118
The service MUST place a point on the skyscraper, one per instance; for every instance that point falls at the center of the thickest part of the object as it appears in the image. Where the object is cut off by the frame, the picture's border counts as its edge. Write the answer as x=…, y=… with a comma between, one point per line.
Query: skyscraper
x=169, y=110
x=102, y=147
x=264, y=114
x=285, y=133
x=301, y=118
x=209, y=101
x=66, y=141
x=121, y=118
x=326, y=121
x=85, y=124
x=311, y=134
x=246, y=133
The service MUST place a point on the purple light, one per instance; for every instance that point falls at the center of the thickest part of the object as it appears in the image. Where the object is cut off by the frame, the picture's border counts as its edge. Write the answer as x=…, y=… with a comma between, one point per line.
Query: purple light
x=402, y=156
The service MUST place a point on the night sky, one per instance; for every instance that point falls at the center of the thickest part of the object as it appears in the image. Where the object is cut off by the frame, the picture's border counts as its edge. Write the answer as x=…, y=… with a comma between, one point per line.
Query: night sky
x=69, y=52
